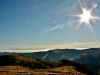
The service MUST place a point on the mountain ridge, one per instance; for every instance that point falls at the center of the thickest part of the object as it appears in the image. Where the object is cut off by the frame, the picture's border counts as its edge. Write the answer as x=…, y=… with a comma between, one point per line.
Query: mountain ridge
x=35, y=63
x=69, y=54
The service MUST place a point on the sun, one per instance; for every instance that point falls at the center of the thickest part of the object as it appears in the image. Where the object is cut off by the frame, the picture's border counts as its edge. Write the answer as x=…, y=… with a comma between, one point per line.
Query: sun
x=85, y=16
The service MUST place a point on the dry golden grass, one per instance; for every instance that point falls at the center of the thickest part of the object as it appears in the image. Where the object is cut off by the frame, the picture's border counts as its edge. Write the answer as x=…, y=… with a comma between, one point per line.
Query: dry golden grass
x=18, y=70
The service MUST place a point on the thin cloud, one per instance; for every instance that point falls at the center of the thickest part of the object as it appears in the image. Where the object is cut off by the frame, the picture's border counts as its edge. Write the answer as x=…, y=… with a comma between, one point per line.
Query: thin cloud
x=55, y=46
x=37, y=48
x=56, y=27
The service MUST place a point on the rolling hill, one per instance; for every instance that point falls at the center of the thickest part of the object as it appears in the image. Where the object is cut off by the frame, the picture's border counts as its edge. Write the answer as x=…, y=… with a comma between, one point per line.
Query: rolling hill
x=89, y=57
x=34, y=63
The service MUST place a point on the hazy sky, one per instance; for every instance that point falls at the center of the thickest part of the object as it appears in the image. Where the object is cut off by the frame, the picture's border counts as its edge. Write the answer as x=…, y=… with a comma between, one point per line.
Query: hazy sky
x=46, y=24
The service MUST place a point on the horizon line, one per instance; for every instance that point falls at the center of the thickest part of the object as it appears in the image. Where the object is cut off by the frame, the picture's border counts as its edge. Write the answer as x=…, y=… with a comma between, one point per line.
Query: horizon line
x=40, y=50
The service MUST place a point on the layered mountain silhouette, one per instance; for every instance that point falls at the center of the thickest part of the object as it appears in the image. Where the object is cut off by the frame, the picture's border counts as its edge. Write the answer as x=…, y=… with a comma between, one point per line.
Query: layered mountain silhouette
x=89, y=57
x=35, y=63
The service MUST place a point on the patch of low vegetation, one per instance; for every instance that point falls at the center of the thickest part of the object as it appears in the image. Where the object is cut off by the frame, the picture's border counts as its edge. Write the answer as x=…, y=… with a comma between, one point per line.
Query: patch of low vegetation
x=35, y=63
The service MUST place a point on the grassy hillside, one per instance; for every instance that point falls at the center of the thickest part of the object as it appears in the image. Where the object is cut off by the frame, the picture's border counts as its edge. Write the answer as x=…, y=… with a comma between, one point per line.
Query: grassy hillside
x=89, y=57
x=34, y=63
x=18, y=70
x=24, y=61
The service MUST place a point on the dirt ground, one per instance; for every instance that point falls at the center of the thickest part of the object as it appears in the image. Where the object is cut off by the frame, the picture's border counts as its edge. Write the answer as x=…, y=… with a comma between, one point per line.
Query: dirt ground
x=18, y=70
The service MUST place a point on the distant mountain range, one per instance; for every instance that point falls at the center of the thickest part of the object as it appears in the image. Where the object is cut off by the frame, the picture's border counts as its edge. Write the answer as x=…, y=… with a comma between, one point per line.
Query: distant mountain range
x=6, y=53
x=70, y=54
x=89, y=57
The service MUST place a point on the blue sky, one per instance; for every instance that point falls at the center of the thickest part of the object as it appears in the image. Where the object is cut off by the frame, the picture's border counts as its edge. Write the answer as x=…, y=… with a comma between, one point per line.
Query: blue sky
x=46, y=24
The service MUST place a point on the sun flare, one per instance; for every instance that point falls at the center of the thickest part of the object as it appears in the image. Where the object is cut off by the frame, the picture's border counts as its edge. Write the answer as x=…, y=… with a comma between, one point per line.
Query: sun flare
x=85, y=16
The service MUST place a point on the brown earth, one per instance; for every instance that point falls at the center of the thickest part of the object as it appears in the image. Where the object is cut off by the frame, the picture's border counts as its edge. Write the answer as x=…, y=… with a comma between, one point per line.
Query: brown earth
x=18, y=70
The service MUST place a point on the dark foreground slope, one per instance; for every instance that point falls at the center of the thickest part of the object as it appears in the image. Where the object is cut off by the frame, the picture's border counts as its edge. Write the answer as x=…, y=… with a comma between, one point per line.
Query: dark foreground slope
x=25, y=61
x=34, y=63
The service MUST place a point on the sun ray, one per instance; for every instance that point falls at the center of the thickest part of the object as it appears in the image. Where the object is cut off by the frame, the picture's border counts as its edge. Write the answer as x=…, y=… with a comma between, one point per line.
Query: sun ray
x=73, y=15
x=94, y=6
x=86, y=16
x=78, y=25
x=80, y=5
x=90, y=27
